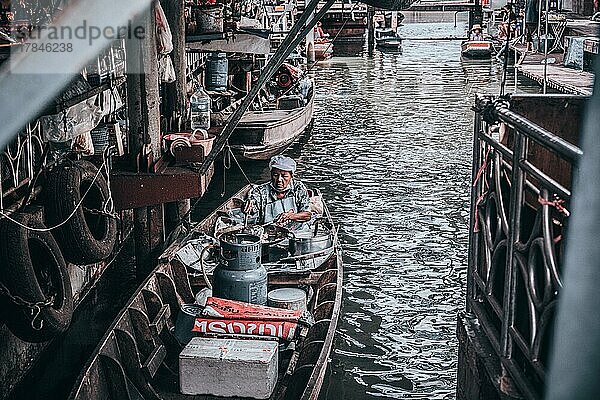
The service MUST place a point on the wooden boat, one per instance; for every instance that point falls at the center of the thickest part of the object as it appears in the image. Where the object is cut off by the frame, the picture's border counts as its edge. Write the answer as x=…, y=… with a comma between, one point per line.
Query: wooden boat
x=388, y=39
x=476, y=48
x=263, y=134
x=138, y=356
x=323, y=49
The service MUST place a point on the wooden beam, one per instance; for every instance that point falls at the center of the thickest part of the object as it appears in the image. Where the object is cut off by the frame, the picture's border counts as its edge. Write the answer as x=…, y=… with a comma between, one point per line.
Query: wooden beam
x=143, y=99
x=239, y=43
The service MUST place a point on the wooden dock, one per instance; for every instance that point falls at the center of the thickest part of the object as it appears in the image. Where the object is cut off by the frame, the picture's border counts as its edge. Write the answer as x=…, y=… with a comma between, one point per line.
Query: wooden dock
x=559, y=77
x=566, y=80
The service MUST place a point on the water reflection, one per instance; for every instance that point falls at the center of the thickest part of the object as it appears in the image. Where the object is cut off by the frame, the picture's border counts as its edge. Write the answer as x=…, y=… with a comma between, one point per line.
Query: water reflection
x=391, y=148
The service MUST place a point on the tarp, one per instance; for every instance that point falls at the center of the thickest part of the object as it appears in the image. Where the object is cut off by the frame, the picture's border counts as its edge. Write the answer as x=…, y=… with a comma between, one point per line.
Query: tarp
x=393, y=5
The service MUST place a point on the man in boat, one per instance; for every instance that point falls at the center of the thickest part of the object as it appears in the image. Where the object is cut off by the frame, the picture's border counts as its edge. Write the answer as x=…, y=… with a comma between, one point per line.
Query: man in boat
x=284, y=200
x=476, y=33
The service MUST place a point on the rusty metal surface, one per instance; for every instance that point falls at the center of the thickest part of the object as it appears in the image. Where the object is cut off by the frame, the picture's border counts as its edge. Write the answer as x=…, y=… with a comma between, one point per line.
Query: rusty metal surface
x=560, y=115
x=132, y=190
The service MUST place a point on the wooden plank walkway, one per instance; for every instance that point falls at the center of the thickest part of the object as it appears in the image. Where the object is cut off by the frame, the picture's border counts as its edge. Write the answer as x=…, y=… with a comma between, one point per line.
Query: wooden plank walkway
x=561, y=78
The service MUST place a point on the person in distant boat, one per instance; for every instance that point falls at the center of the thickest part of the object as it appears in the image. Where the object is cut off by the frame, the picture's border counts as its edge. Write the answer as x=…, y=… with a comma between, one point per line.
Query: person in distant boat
x=284, y=200
x=476, y=33
x=319, y=33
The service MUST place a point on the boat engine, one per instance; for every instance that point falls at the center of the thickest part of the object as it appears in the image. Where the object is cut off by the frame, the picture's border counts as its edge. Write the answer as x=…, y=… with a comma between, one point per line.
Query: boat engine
x=240, y=274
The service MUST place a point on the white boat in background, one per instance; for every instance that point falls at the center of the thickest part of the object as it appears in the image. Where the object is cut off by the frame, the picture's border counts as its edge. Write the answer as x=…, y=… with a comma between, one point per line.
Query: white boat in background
x=477, y=49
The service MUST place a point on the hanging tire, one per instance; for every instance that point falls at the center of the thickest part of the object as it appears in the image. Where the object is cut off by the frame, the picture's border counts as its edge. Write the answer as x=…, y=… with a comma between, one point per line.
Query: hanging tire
x=87, y=237
x=34, y=269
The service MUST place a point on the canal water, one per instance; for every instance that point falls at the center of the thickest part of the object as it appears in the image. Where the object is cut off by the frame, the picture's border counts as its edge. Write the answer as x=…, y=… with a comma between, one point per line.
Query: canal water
x=391, y=151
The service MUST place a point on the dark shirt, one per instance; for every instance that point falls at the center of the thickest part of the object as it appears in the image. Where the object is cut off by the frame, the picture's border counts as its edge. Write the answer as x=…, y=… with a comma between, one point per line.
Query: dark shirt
x=531, y=12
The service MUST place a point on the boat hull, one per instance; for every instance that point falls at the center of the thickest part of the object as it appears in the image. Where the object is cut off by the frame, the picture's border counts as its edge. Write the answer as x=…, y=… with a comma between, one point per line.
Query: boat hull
x=323, y=50
x=261, y=135
x=476, y=49
x=394, y=45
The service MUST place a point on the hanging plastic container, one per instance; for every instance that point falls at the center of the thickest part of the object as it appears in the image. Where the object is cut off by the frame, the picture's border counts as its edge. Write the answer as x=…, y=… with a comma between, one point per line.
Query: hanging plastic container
x=240, y=275
x=217, y=67
x=200, y=109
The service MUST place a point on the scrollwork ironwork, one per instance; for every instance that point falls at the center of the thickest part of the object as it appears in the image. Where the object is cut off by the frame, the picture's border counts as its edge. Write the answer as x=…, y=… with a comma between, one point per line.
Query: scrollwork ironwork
x=515, y=285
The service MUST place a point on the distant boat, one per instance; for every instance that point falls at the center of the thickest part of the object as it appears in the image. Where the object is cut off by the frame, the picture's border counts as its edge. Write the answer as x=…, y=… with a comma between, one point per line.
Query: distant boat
x=323, y=49
x=388, y=39
x=476, y=49
x=269, y=130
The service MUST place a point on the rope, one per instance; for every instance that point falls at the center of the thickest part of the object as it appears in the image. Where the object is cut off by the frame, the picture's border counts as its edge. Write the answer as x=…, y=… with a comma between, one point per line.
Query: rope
x=558, y=204
x=29, y=228
x=239, y=166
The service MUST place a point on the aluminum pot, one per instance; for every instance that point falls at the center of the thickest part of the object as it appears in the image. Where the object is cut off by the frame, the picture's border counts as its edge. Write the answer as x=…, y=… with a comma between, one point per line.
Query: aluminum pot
x=305, y=245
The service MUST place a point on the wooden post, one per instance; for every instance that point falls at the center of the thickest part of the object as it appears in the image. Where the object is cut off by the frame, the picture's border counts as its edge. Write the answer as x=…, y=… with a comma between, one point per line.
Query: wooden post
x=176, y=99
x=143, y=103
x=371, y=29
x=143, y=99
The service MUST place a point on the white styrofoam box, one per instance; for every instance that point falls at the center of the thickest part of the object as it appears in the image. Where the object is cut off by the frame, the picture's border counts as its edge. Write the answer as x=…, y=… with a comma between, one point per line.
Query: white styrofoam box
x=229, y=367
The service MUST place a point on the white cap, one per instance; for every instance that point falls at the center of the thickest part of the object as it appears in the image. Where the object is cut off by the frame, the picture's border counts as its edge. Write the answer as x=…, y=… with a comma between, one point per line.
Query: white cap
x=283, y=163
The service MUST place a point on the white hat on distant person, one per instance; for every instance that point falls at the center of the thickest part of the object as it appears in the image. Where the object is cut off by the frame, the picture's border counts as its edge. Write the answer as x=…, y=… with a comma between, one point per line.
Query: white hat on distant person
x=476, y=26
x=283, y=163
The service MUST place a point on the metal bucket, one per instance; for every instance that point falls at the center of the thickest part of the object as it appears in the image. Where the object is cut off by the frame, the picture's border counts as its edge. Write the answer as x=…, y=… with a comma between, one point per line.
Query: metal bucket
x=240, y=251
x=306, y=245
x=217, y=70
x=209, y=19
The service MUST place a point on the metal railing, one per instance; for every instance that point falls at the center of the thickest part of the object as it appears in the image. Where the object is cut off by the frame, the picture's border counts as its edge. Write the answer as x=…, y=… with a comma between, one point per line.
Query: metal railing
x=519, y=214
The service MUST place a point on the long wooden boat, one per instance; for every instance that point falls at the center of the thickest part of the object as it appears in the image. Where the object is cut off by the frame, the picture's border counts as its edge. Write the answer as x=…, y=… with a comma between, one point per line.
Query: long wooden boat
x=476, y=49
x=263, y=134
x=138, y=356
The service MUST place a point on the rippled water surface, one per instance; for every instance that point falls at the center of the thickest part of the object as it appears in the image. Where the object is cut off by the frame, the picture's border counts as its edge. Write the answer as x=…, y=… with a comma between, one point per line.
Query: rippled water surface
x=391, y=148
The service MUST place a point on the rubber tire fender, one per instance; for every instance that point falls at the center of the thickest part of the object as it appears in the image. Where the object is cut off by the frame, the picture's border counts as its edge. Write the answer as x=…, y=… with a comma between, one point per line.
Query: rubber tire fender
x=85, y=238
x=22, y=253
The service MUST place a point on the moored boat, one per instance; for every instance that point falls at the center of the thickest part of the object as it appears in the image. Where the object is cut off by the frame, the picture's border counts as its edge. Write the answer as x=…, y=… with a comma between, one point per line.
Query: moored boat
x=265, y=132
x=388, y=39
x=476, y=48
x=138, y=357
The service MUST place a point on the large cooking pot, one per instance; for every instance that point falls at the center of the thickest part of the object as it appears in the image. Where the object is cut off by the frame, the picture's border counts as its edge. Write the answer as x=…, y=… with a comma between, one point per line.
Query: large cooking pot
x=311, y=241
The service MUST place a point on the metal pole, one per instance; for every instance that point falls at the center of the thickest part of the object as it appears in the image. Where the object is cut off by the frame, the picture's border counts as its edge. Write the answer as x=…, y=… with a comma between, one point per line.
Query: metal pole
x=539, y=27
x=546, y=50
x=574, y=366
x=516, y=201
x=473, y=236
x=506, y=52
x=293, y=38
x=370, y=29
